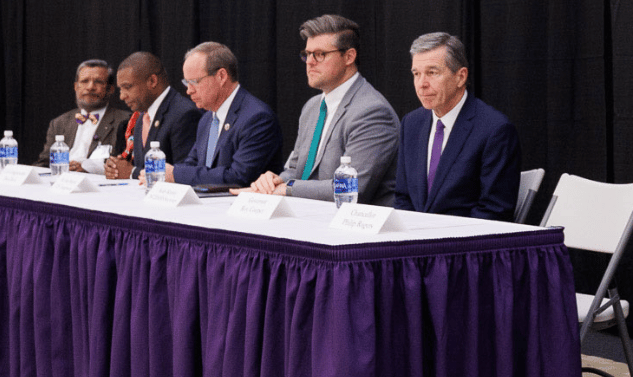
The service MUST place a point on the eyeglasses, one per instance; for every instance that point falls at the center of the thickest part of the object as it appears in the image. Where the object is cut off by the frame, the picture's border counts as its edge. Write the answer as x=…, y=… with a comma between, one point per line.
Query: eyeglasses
x=317, y=55
x=193, y=82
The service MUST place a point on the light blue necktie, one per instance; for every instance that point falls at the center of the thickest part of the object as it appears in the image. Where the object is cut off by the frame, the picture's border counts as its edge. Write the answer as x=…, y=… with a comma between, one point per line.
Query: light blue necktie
x=316, y=138
x=213, y=139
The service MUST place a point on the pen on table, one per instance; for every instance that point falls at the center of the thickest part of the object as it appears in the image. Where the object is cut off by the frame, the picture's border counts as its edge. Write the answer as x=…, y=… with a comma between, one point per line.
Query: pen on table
x=113, y=184
x=43, y=174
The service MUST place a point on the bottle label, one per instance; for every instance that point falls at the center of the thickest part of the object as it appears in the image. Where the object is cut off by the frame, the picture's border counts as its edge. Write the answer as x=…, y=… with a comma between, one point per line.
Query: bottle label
x=345, y=185
x=154, y=166
x=10, y=152
x=59, y=158
x=3, y=152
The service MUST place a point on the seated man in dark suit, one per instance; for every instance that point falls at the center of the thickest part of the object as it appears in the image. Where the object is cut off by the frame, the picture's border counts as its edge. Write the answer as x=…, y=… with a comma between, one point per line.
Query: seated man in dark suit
x=239, y=137
x=479, y=170
x=93, y=123
x=160, y=114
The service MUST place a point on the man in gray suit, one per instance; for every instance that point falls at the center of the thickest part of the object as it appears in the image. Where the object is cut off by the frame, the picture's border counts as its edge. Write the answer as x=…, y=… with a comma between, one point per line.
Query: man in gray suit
x=349, y=118
x=94, y=124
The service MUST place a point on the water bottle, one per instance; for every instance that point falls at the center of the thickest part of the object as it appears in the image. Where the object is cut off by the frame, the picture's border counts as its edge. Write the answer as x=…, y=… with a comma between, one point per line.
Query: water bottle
x=59, y=156
x=345, y=183
x=8, y=150
x=154, y=165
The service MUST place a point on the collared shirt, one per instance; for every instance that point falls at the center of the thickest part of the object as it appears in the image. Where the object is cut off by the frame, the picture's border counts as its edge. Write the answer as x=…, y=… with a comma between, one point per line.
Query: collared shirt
x=153, y=108
x=84, y=136
x=223, y=111
x=332, y=100
x=449, y=121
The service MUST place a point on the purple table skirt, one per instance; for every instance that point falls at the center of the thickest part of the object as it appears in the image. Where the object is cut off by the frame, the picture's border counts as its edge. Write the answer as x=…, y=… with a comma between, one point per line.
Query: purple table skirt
x=85, y=293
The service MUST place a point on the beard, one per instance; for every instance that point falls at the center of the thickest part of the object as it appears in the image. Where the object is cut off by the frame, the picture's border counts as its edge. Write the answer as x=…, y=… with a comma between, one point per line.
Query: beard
x=92, y=103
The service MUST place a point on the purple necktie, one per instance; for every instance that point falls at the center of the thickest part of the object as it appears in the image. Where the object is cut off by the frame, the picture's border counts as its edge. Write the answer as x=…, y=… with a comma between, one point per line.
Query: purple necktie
x=436, y=152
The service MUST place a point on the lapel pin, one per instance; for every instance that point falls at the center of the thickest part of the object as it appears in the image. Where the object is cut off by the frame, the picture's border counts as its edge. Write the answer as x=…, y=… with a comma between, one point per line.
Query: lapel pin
x=156, y=124
x=226, y=127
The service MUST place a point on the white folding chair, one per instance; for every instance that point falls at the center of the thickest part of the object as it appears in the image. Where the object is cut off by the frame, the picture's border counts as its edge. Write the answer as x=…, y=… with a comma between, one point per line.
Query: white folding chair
x=530, y=183
x=597, y=217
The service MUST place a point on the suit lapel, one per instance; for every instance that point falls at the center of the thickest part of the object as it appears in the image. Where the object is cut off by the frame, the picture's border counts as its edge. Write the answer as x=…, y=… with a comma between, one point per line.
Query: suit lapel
x=157, y=122
x=231, y=118
x=456, y=141
x=103, y=130
x=340, y=111
x=422, y=157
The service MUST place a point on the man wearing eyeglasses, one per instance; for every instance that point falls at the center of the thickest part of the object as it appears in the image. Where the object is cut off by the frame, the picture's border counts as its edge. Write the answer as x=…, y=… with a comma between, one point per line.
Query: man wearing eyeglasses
x=92, y=127
x=160, y=114
x=349, y=118
x=239, y=137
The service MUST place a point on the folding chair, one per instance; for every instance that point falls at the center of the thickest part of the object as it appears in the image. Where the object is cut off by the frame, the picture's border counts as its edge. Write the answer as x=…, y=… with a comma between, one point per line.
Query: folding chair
x=597, y=217
x=530, y=183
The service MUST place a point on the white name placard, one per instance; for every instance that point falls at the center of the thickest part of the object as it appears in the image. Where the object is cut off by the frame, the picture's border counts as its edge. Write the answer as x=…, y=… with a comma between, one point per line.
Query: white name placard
x=17, y=175
x=73, y=182
x=367, y=219
x=259, y=206
x=171, y=195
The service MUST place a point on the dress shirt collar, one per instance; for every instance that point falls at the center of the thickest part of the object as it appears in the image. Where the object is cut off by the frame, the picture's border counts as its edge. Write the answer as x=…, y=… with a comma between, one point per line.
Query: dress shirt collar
x=153, y=108
x=223, y=111
x=334, y=98
x=449, y=118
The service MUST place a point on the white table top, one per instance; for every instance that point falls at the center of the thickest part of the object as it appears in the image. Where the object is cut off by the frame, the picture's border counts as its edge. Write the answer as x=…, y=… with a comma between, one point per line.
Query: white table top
x=310, y=222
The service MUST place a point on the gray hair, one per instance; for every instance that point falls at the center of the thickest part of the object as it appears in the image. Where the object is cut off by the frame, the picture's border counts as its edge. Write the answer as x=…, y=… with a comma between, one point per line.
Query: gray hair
x=144, y=64
x=96, y=63
x=347, y=31
x=456, y=52
x=218, y=56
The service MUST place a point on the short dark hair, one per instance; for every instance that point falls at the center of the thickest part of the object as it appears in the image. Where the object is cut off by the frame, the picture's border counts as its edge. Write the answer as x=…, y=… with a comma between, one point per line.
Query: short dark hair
x=96, y=63
x=218, y=56
x=347, y=31
x=144, y=65
x=456, y=52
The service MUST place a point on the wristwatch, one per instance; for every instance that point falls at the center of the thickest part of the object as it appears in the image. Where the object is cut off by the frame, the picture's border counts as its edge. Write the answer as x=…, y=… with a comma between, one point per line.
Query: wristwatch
x=289, y=187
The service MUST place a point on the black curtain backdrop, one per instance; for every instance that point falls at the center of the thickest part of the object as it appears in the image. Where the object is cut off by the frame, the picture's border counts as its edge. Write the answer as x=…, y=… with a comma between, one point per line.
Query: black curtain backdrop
x=560, y=70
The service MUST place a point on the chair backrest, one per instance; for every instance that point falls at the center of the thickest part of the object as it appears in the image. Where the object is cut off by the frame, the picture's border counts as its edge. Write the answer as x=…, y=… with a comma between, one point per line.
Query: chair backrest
x=530, y=183
x=596, y=215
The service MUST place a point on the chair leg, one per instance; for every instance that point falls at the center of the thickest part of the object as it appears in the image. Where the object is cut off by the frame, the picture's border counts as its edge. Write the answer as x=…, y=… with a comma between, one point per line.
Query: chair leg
x=624, y=333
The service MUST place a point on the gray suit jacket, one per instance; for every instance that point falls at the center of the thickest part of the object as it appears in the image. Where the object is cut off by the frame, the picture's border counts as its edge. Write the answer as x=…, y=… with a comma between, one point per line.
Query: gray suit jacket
x=365, y=127
x=65, y=124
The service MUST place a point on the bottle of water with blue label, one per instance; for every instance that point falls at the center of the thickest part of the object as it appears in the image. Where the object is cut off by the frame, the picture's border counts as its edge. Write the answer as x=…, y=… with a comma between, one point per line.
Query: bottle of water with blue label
x=345, y=183
x=8, y=150
x=154, y=165
x=59, y=156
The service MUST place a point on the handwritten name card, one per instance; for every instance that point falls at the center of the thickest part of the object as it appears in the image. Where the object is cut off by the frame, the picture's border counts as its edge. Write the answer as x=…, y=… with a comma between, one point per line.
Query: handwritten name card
x=367, y=219
x=259, y=206
x=171, y=195
x=17, y=175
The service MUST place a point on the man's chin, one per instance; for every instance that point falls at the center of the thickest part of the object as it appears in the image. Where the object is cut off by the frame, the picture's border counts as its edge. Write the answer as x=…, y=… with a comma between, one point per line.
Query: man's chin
x=90, y=106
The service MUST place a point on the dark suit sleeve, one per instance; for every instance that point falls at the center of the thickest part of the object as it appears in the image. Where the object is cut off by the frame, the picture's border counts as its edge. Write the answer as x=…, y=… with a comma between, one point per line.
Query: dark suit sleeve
x=403, y=199
x=184, y=135
x=254, y=145
x=500, y=175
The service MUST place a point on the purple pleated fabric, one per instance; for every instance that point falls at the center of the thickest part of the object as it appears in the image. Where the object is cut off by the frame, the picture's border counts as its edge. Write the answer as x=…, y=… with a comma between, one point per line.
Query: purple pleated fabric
x=85, y=293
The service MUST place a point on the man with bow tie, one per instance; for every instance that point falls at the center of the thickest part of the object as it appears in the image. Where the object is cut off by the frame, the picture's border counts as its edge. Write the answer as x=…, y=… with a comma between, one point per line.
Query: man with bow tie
x=93, y=124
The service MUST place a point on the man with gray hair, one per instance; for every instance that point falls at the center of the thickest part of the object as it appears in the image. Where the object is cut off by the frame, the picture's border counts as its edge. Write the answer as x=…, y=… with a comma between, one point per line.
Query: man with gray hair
x=239, y=137
x=91, y=129
x=350, y=118
x=457, y=155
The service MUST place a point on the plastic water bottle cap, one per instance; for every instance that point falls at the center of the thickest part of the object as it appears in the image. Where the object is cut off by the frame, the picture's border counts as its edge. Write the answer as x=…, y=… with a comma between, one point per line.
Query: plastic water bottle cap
x=154, y=144
x=346, y=159
x=8, y=133
x=59, y=137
